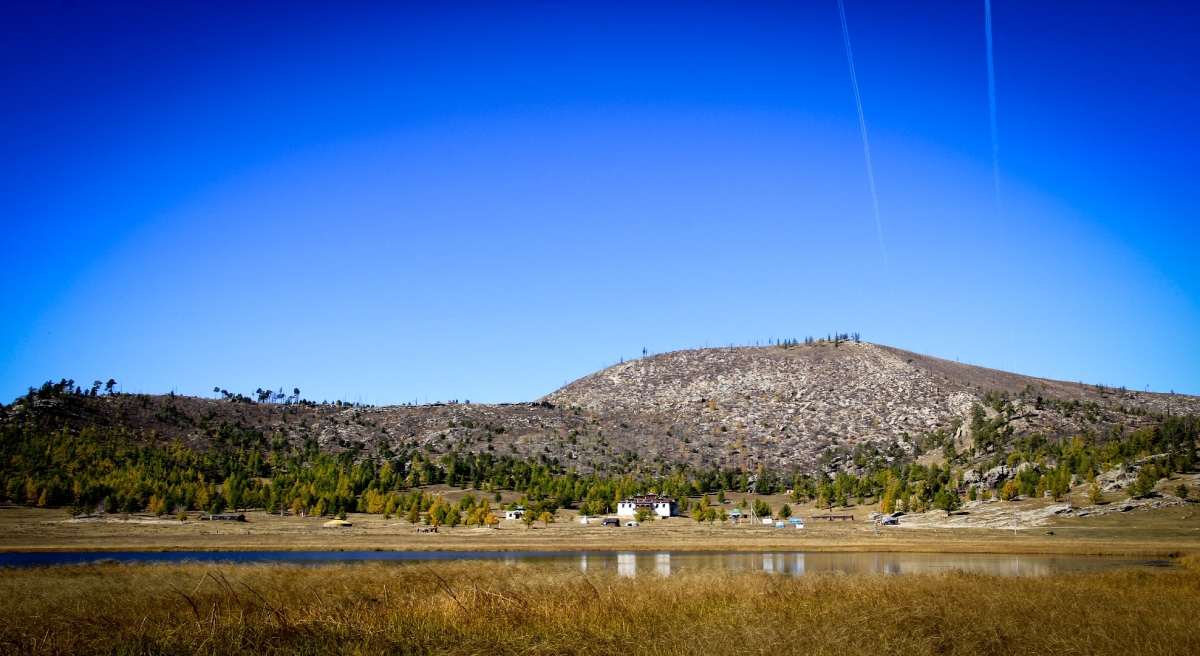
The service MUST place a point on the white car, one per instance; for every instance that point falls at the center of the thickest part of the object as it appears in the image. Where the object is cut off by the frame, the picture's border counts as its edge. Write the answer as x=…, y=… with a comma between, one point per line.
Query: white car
x=632, y=524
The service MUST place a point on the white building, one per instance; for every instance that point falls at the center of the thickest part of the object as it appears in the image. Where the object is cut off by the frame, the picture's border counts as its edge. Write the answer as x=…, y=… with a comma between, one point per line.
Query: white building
x=661, y=506
x=515, y=514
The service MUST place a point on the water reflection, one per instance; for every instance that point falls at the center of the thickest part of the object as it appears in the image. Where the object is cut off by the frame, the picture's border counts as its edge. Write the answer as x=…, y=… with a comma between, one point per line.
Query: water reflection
x=662, y=563
x=631, y=564
x=627, y=564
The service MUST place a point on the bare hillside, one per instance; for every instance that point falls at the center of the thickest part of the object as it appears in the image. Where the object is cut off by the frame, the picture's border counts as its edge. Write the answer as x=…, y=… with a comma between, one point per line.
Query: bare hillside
x=782, y=407
x=773, y=406
x=726, y=407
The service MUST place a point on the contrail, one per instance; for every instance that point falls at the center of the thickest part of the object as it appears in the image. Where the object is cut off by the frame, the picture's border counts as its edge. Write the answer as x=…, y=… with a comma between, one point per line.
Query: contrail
x=987, y=25
x=862, y=123
x=987, y=22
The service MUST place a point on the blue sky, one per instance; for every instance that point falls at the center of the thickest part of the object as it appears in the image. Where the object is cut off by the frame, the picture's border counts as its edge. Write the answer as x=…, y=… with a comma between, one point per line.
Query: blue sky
x=386, y=203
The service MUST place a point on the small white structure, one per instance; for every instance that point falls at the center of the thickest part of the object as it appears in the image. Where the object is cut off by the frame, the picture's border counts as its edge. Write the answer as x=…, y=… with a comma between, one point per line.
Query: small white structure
x=515, y=514
x=661, y=506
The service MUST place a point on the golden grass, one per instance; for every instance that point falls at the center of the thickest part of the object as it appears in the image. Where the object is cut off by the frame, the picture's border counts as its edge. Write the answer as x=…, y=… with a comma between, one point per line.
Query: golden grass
x=489, y=608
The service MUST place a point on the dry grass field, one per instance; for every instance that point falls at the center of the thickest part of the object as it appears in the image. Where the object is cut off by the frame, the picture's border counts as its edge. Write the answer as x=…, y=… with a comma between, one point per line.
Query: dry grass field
x=491, y=608
x=485, y=607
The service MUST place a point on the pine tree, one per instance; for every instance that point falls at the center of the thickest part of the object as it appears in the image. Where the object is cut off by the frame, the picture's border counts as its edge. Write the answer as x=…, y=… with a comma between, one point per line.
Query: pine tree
x=1009, y=491
x=1144, y=485
x=887, y=504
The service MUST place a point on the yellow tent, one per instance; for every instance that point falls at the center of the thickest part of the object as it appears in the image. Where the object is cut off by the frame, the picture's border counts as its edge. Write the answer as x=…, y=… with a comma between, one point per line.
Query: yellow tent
x=338, y=523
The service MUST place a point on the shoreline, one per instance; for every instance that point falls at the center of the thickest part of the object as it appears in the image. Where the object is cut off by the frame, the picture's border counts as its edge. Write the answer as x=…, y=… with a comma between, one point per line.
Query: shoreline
x=1167, y=532
x=963, y=545
x=1163, y=551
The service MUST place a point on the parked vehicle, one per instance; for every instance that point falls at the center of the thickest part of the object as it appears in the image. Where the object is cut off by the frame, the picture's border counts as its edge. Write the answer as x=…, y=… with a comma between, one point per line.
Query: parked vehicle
x=224, y=517
x=610, y=521
x=632, y=524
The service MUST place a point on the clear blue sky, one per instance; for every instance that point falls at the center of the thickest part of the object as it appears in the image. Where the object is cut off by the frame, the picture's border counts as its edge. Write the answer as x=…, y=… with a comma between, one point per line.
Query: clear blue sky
x=482, y=201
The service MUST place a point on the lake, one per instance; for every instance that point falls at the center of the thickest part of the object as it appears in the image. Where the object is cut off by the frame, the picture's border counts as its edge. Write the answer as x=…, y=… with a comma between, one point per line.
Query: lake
x=640, y=563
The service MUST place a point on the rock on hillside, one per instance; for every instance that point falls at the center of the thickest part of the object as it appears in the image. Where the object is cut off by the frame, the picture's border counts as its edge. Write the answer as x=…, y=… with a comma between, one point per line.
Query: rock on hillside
x=774, y=406
x=783, y=407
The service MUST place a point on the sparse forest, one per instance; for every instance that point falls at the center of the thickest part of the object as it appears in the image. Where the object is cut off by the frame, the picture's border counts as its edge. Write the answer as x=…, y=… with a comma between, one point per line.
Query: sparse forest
x=120, y=468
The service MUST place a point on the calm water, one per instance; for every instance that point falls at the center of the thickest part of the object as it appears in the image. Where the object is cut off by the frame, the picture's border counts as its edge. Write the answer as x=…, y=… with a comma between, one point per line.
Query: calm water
x=662, y=563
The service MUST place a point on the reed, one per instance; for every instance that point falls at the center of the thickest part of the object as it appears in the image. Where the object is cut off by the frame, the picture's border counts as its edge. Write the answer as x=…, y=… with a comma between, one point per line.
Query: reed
x=490, y=608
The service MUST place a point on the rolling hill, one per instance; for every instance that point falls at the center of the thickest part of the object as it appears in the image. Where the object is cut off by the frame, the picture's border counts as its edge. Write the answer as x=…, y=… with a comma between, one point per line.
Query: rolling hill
x=794, y=407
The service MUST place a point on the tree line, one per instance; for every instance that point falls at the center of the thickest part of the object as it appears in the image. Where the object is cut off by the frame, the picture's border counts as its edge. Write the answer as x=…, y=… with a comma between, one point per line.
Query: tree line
x=45, y=463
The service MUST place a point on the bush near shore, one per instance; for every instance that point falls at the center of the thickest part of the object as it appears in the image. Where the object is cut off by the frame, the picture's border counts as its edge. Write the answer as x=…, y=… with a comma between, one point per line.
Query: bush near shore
x=489, y=608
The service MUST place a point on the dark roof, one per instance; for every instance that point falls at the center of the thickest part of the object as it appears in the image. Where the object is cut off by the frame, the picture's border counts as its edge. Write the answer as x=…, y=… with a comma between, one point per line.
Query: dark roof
x=229, y=517
x=647, y=498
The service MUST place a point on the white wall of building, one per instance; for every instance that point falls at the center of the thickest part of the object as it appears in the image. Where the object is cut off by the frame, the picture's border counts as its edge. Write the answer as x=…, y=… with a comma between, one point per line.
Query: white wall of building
x=661, y=508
